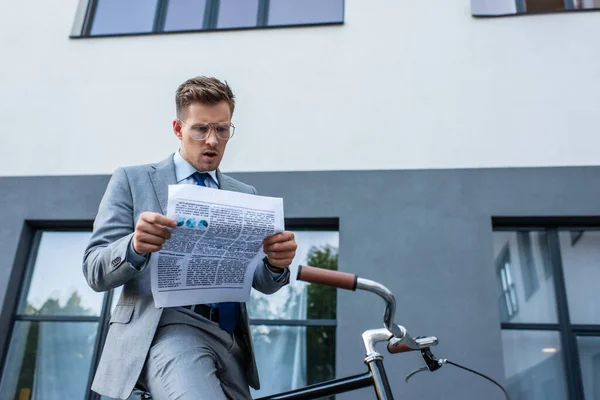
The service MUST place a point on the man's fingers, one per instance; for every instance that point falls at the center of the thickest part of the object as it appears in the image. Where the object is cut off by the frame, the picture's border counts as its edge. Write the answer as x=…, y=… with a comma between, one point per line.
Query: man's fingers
x=143, y=237
x=278, y=237
x=145, y=248
x=285, y=246
x=155, y=230
x=280, y=248
x=158, y=219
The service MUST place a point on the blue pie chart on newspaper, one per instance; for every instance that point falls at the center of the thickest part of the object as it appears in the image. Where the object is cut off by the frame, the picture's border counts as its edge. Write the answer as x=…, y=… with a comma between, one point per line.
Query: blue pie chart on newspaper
x=202, y=225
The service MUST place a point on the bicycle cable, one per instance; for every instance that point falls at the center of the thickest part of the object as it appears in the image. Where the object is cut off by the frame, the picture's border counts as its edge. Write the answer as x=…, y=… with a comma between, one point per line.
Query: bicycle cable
x=480, y=374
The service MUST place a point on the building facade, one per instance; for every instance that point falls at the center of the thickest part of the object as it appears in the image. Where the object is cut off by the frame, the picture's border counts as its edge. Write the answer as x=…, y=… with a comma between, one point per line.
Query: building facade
x=451, y=157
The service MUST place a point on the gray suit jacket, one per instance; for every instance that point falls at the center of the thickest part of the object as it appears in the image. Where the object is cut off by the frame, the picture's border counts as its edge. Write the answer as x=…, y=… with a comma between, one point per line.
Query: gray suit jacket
x=130, y=192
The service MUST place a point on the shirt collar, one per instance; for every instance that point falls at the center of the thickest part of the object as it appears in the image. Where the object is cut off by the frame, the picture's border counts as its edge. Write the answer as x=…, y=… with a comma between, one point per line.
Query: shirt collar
x=184, y=170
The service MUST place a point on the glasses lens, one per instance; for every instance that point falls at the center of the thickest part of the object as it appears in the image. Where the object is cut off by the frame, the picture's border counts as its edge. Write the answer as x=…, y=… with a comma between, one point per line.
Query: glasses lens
x=223, y=131
x=200, y=132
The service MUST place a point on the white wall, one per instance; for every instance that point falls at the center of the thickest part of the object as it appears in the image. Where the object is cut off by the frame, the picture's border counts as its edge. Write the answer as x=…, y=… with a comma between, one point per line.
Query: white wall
x=400, y=85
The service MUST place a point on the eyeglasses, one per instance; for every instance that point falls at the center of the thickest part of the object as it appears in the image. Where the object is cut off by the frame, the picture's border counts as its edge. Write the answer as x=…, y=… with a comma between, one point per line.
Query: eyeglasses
x=202, y=131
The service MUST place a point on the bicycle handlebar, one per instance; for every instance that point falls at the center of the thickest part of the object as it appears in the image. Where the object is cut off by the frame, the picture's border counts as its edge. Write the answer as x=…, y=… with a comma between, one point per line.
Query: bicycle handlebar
x=337, y=279
x=402, y=341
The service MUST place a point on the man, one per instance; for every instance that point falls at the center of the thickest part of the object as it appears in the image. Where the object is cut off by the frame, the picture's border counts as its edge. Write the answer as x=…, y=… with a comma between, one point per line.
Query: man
x=201, y=351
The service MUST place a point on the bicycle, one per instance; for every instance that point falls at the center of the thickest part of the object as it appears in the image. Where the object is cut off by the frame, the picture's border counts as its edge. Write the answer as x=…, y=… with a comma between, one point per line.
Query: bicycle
x=396, y=336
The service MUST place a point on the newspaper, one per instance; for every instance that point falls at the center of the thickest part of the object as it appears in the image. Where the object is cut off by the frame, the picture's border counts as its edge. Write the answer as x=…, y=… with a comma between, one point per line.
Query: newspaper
x=213, y=252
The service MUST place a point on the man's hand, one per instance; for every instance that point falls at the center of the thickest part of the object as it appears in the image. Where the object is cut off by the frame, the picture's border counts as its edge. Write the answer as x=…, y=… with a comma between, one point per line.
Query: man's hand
x=151, y=232
x=280, y=249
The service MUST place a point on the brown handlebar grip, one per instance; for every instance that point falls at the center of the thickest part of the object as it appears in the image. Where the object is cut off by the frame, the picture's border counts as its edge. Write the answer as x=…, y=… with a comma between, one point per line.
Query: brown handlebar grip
x=399, y=349
x=338, y=279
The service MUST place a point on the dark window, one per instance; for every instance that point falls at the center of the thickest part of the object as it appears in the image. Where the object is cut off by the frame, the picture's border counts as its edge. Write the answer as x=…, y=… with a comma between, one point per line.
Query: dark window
x=519, y=255
x=508, y=302
x=59, y=324
x=185, y=15
x=542, y=243
x=294, y=329
x=533, y=364
x=118, y=17
x=298, y=12
x=544, y=5
x=551, y=345
x=530, y=280
x=589, y=360
x=497, y=8
x=237, y=14
x=581, y=262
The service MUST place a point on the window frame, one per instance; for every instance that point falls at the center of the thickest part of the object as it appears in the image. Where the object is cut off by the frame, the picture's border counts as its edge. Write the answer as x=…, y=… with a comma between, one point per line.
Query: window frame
x=83, y=26
x=568, y=332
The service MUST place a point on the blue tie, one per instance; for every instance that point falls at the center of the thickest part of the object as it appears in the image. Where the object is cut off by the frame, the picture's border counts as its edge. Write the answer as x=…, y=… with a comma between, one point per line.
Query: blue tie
x=229, y=311
x=200, y=178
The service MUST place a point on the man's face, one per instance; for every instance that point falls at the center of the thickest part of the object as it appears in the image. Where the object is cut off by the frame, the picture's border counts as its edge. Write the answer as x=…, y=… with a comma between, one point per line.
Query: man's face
x=204, y=155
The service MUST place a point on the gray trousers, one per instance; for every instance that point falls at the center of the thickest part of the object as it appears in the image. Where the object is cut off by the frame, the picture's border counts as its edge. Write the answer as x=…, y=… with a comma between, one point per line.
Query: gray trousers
x=198, y=361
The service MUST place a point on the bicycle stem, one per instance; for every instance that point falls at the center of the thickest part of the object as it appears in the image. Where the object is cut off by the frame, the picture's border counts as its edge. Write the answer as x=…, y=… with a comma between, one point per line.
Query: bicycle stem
x=390, y=309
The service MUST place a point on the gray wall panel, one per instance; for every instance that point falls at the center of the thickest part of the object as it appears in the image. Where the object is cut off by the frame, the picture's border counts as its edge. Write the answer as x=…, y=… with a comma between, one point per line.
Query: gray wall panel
x=425, y=234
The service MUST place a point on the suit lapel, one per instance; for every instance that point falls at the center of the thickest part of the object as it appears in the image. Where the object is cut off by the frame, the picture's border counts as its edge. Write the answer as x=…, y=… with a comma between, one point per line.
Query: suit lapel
x=163, y=175
x=226, y=183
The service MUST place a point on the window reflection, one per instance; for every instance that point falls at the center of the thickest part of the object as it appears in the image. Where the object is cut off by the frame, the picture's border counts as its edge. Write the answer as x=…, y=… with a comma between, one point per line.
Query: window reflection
x=318, y=248
x=498, y=8
x=533, y=365
x=185, y=15
x=48, y=360
x=589, y=360
x=508, y=302
x=525, y=284
x=586, y=4
x=237, y=14
x=115, y=17
x=286, y=351
x=580, y=253
x=118, y=16
x=294, y=12
x=57, y=286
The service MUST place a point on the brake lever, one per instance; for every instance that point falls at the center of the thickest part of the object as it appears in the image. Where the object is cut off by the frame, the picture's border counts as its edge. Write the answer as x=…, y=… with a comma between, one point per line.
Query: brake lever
x=433, y=364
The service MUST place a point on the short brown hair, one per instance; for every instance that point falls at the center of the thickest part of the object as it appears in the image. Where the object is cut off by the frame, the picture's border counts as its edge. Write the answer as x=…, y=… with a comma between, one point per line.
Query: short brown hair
x=202, y=89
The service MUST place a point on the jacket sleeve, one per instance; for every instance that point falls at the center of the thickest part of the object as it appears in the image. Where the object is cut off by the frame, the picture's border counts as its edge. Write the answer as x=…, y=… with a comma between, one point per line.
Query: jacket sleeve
x=266, y=281
x=104, y=262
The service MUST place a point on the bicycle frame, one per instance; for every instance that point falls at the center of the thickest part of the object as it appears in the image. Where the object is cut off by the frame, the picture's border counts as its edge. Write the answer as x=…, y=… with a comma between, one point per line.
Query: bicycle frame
x=375, y=377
